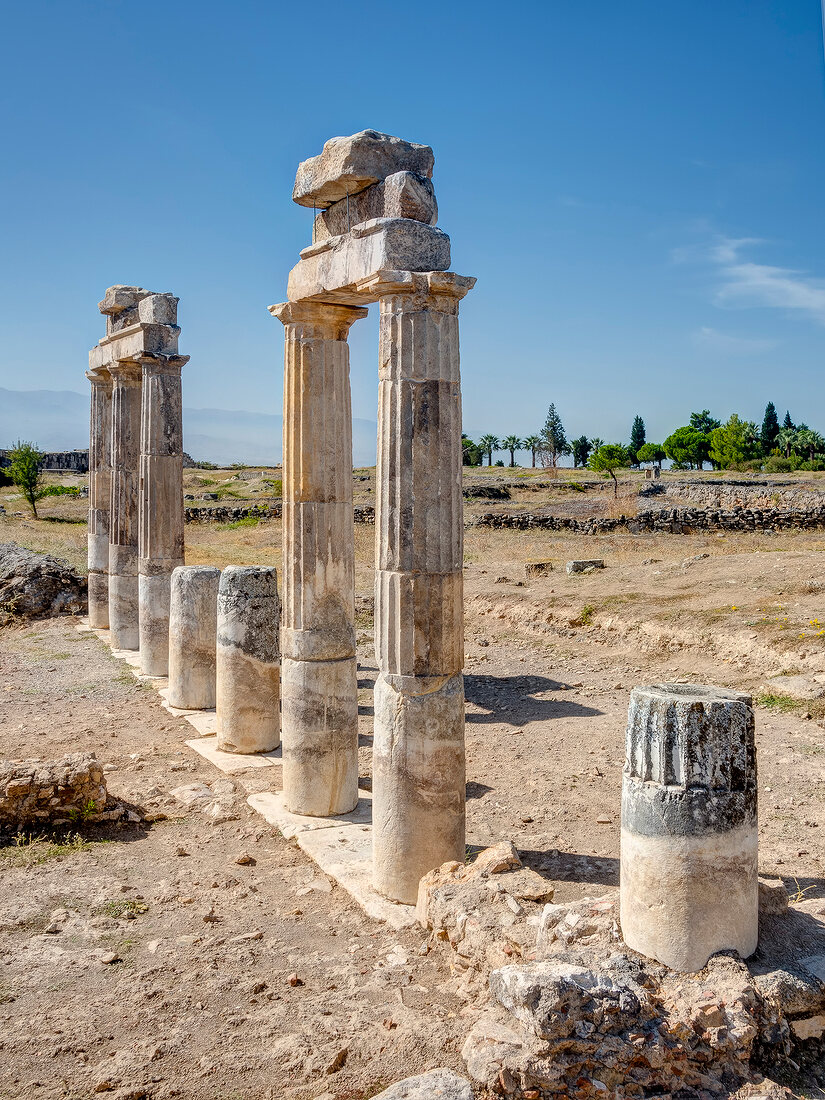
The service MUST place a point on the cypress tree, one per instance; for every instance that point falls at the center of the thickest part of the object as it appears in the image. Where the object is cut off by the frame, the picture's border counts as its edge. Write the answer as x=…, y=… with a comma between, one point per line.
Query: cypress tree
x=638, y=438
x=770, y=429
x=788, y=424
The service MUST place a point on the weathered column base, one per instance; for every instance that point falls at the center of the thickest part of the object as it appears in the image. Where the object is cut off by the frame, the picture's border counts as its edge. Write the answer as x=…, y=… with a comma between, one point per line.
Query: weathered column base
x=99, y=600
x=247, y=662
x=319, y=719
x=123, y=610
x=153, y=593
x=684, y=898
x=418, y=780
x=193, y=614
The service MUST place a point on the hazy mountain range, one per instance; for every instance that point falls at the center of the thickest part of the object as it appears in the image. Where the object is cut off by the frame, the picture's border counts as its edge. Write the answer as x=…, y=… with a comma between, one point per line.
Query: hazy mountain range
x=58, y=420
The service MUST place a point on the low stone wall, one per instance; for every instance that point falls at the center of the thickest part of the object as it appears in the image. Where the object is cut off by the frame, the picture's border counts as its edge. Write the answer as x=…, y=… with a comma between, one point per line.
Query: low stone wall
x=730, y=494
x=259, y=511
x=674, y=521
x=76, y=462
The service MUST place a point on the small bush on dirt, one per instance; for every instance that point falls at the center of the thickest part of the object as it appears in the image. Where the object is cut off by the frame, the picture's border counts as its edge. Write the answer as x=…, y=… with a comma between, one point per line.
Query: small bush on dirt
x=27, y=850
x=585, y=616
x=245, y=521
x=123, y=907
x=778, y=464
x=276, y=484
x=771, y=701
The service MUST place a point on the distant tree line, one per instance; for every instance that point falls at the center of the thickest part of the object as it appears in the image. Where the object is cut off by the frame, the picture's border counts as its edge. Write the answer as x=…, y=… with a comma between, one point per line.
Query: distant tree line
x=736, y=444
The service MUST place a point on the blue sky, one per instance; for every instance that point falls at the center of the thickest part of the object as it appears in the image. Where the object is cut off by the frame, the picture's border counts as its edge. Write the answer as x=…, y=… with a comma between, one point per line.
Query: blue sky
x=637, y=186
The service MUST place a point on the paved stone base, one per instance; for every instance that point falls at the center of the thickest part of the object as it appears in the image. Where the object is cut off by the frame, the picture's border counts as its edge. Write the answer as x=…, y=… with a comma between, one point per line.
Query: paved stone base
x=341, y=846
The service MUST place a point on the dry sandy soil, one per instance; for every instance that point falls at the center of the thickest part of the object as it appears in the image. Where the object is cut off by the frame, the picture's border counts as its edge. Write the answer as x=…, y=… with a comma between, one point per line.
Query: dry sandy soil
x=199, y=1002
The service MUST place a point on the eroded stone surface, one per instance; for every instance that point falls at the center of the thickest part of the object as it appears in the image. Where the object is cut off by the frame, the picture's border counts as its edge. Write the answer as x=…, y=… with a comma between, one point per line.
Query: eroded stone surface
x=36, y=792
x=437, y=1084
x=34, y=584
x=401, y=195
x=689, y=834
x=192, y=637
x=248, y=660
x=349, y=164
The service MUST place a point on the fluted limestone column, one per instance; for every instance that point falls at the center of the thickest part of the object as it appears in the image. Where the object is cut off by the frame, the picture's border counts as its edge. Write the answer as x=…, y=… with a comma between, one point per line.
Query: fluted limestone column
x=248, y=660
x=418, y=769
x=123, y=516
x=319, y=693
x=689, y=883
x=100, y=478
x=193, y=617
x=161, y=514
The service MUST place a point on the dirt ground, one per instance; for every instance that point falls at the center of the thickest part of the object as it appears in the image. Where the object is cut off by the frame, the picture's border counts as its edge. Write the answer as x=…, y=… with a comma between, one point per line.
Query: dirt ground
x=201, y=998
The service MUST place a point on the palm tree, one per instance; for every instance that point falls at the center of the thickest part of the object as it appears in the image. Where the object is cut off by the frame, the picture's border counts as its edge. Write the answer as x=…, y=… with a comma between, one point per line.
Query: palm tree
x=533, y=442
x=511, y=443
x=786, y=440
x=810, y=441
x=595, y=444
x=489, y=443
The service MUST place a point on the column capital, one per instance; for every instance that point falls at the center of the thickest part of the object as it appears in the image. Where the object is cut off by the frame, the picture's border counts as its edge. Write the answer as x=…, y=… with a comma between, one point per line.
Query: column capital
x=324, y=320
x=126, y=370
x=99, y=377
x=161, y=364
x=440, y=290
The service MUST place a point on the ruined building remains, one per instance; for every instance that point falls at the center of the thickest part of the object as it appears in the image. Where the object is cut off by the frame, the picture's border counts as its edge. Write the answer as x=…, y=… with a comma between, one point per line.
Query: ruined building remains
x=375, y=240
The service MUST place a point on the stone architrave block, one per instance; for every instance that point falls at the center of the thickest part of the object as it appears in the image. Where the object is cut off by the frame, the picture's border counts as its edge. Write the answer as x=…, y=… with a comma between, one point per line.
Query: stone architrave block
x=332, y=269
x=401, y=195
x=689, y=884
x=349, y=164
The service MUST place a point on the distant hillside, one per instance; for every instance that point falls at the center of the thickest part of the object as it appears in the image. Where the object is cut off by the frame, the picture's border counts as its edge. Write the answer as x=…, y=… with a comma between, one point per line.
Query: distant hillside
x=59, y=420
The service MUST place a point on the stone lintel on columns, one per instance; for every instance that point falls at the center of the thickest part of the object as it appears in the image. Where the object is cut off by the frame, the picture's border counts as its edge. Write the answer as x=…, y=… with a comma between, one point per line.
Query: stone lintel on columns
x=127, y=370
x=99, y=376
x=324, y=320
x=157, y=362
x=136, y=340
x=331, y=270
x=425, y=288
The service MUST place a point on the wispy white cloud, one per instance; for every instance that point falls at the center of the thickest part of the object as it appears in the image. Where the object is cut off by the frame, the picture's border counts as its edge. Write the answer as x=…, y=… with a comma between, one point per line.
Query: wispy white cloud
x=727, y=344
x=744, y=284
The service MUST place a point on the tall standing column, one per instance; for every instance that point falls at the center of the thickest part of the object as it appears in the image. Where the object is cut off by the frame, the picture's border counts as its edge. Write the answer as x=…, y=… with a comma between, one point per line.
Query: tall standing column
x=418, y=769
x=319, y=691
x=100, y=472
x=161, y=513
x=123, y=513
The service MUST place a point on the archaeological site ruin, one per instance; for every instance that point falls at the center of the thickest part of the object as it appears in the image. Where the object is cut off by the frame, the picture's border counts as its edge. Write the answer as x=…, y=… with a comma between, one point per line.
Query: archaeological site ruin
x=681, y=974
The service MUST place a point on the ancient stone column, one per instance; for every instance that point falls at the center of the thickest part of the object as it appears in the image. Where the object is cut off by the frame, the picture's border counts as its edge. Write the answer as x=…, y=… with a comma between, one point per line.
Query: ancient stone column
x=319, y=692
x=123, y=514
x=100, y=478
x=248, y=660
x=193, y=614
x=689, y=882
x=418, y=748
x=161, y=515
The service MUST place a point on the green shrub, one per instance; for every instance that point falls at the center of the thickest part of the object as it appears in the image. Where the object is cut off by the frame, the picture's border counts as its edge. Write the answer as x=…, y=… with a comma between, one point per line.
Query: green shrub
x=778, y=464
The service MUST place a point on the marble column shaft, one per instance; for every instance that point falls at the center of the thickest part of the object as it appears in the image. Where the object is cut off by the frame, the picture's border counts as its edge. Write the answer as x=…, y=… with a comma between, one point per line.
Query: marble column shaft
x=123, y=513
x=161, y=511
x=419, y=769
x=100, y=478
x=319, y=692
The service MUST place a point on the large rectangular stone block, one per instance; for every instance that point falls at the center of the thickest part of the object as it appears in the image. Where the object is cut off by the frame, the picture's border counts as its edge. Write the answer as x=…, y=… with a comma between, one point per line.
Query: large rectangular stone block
x=332, y=269
x=349, y=164
x=401, y=195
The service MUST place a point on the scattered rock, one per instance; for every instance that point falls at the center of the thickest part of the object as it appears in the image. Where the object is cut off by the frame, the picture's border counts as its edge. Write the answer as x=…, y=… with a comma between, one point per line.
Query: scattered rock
x=244, y=858
x=438, y=1084
x=34, y=585
x=584, y=565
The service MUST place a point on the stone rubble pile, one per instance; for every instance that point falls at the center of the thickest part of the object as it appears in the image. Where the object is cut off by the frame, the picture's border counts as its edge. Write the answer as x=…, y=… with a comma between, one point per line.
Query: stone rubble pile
x=32, y=585
x=54, y=792
x=563, y=1006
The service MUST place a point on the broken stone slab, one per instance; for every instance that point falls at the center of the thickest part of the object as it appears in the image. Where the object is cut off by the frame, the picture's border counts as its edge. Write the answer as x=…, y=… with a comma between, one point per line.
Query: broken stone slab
x=34, y=585
x=437, y=1084
x=51, y=791
x=347, y=165
x=401, y=195
x=332, y=269
x=538, y=568
x=584, y=565
x=803, y=688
